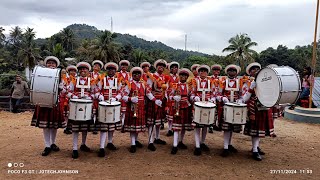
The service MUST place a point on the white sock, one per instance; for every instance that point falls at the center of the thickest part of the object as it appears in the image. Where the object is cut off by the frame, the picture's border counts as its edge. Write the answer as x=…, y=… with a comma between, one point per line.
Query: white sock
x=226, y=139
x=170, y=125
x=204, y=134
x=197, y=137
x=122, y=118
x=84, y=137
x=136, y=134
x=183, y=132
x=110, y=136
x=150, y=134
x=46, y=136
x=255, y=144
x=230, y=137
x=75, y=140
x=53, y=135
x=103, y=137
x=175, y=138
x=133, y=138
x=157, y=132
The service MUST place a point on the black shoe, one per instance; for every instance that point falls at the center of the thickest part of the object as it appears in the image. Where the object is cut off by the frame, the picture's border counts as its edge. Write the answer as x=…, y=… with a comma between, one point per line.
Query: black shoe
x=111, y=147
x=95, y=132
x=138, y=144
x=55, y=148
x=133, y=149
x=159, y=141
x=256, y=156
x=102, y=152
x=260, y=151
x=216, y=128
x=204, y=147
x=182, y=146
x=84, y=148
x=75, y=154
x=151, y=147
x=174, y=150
x=162, y=127
x=211, y=129
x=232, y=149
x=67, y=131
x=197, y=152
x=170, y=133
x=225, y=153
x=46, y=151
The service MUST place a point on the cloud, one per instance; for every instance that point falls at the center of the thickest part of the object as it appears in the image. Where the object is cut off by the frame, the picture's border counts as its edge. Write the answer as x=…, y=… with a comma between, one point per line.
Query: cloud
x=209, y=24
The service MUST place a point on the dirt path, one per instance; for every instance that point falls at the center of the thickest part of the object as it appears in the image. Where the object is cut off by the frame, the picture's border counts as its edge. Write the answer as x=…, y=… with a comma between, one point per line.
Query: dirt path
x=297, y=147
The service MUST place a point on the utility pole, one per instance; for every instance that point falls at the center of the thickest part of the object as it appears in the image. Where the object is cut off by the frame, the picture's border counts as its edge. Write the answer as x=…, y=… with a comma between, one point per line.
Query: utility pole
x=185, y=42
x=111, y=25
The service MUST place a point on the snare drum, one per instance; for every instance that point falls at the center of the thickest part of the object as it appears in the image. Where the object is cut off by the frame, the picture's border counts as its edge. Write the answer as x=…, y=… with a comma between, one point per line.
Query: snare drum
x=278, y=85
x=235, y=113
x=44, y=86
x=204, y=113
x=109, y=112
x=80, y=109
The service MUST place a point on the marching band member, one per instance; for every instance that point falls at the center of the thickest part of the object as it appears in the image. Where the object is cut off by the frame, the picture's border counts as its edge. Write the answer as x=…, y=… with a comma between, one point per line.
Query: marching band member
x=146, y=76
x=156, y=112
x=195, y=74
x=229, y=92
x=215, y=79
x=173, y=81
x=182, y=110
x=49, y=119
x=260, y=122
x=74, y=92
x=134, y=95
x=194, y=70
x=203, y=82
x=110, y=82
x=123, y=76
x=72, y=73
x=95, y=75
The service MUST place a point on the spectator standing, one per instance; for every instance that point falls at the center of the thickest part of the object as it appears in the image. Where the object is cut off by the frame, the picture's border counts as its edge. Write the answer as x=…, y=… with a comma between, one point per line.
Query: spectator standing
x=19, y=87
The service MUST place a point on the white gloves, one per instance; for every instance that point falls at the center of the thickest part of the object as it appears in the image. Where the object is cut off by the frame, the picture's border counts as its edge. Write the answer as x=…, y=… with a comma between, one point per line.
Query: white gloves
x=177, y=98
x=125, y=98
x=240, y=101
x=134, y=100
x=113, y=99
x=196, y=99
x=158, y=102
x=75, y=97
x=212, y=100
x=101, y=98
x=253, y=85
x=225, y=100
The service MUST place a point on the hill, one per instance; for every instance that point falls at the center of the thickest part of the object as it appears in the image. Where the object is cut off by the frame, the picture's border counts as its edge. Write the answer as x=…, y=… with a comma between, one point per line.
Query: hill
x=84, y=31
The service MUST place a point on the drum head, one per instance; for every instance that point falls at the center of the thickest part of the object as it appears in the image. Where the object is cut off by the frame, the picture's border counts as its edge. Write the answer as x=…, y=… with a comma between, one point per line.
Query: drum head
x=236, y=104
x=81, y=100
x=268, y=87
x=205, y=104
x=104, y=103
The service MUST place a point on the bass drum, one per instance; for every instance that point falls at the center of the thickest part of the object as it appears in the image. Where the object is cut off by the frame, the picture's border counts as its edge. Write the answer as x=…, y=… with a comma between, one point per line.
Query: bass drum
x=44, y=86
x=277, y=85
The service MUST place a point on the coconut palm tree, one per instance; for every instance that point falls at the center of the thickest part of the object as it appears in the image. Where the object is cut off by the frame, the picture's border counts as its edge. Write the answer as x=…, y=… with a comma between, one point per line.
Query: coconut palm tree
x=105, y=49
x=138, y=57
x=16, y=35
x=240, y=49
x=28, y=52
x=67, y=39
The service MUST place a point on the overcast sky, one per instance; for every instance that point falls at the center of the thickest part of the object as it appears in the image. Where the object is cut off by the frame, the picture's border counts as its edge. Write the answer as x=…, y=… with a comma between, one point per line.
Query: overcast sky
x=209, y=24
